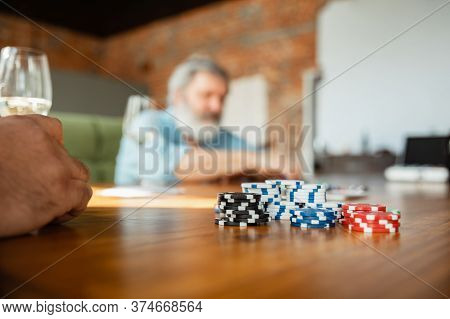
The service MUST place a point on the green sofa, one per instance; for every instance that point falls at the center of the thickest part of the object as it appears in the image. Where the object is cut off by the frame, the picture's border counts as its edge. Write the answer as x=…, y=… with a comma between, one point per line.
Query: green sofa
x=94, y=140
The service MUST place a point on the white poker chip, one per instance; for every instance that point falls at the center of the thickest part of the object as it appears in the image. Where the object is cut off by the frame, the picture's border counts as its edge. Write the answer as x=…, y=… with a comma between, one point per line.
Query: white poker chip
x=285, y=182
x=284, y=203
x=307, y=201
x=313, y=186
x=302, y=191
x=333, y=205
x=306, y=194
x=258, y=185
x=269, y=197
x=311, y=198
x=261, y=191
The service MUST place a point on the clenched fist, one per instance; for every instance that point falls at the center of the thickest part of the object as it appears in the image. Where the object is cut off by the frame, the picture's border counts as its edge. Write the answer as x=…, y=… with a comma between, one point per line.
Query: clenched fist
x=39, y=181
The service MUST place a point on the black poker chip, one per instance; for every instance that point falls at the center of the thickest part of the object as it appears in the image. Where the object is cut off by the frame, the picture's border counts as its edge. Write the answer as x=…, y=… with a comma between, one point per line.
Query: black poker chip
x=239, y=196
x=248, y=216
x=237, y=202
x=248, y=211
x=239, y=207
x=246, y=220
x=240, y=224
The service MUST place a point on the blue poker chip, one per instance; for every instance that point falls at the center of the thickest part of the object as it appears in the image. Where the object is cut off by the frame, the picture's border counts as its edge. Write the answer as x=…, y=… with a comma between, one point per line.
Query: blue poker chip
x=313, y=212
x=305, y=225
x=316, y=215
x=307, y=219
x=296, y=220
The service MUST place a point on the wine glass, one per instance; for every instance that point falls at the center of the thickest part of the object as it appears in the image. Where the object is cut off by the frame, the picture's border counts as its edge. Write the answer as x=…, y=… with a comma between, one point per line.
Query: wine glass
x=25, y=84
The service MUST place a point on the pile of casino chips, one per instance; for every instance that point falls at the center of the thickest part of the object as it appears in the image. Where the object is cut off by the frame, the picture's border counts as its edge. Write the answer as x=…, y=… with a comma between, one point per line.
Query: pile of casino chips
x=336, y=207
x=280, y=209
x=313, y=217
x=240, y=209
x=307, y=194
x=269, y=192
x=370, y=218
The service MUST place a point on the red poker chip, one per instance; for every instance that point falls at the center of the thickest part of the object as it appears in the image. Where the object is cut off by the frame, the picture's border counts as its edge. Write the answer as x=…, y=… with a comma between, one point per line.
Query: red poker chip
x=364, y=207
x=347, y=222
x=371, y=230
x=371, y=222
x=371, y=216
x=388, y=225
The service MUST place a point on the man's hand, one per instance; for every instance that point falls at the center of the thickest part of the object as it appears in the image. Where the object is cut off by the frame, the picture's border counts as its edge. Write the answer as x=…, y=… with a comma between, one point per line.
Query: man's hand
x=39, y=181
x=278, y=164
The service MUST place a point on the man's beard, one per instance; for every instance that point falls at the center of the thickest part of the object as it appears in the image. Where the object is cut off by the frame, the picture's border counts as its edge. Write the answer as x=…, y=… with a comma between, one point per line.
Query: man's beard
x=199, y=129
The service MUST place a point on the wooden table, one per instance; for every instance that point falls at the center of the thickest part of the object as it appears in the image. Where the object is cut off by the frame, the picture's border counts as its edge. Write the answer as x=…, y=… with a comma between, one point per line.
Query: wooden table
x=170, y=248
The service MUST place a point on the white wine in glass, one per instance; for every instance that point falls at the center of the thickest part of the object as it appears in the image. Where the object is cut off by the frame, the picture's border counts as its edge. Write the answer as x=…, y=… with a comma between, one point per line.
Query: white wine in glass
x=25, y=84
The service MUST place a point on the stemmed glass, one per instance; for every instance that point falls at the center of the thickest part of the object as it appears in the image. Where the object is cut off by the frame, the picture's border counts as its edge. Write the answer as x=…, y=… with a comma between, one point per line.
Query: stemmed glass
x=25, y=84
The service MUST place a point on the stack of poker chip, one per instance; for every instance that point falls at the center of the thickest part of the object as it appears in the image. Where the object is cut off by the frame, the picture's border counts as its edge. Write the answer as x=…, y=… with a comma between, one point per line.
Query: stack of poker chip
x=280, y=209
x=333, y=206
x=269, y=193
x=285, y=184
x=313, y=217
x=307, y=194
x=370, y=218
x=240, y=209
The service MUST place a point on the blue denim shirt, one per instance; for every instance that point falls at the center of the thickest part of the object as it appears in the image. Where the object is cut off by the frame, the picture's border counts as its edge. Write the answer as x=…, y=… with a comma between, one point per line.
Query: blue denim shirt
x=153, y=147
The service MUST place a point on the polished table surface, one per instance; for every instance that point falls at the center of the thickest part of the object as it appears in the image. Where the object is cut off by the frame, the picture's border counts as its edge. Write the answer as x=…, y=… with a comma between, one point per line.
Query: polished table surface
x=167, y=246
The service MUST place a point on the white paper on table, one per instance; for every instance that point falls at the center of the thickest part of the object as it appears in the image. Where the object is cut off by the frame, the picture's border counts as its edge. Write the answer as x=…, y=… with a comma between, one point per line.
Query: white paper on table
x=137, y=191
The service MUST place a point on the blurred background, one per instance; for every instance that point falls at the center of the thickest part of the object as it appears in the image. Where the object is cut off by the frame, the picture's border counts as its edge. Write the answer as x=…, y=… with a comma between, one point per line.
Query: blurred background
x=363, y=75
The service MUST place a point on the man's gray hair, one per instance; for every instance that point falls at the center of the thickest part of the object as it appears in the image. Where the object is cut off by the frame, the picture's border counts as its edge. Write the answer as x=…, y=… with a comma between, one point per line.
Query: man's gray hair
x=184, y=73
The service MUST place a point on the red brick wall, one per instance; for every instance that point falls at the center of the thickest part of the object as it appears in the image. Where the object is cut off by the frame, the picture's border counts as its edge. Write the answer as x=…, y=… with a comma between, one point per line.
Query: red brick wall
x=15, y=31
x=275, y=38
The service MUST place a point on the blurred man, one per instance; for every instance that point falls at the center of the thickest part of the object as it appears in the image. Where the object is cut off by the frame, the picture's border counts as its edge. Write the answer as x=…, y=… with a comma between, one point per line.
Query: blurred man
x=40, y=183
x=185, y=141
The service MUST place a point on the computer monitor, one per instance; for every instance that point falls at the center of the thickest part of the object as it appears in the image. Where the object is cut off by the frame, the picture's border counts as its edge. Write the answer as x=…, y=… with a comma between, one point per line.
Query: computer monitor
x=432, y=151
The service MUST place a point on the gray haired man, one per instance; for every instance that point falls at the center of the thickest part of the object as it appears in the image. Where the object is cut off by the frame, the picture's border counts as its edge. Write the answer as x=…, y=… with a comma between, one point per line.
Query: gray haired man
x=185, y=141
